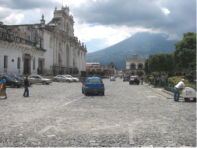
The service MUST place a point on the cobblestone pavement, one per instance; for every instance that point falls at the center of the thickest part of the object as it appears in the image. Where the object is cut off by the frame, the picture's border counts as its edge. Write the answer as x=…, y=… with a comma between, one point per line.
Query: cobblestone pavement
x=59, y=115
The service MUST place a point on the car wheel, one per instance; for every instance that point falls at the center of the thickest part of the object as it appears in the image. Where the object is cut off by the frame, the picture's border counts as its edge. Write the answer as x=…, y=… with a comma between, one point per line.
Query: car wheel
x=194, y=100
x=187, y=99
x=130, y=83
x=103, y=93
x=44, y=83
x=12, y=85
x=56, y=80
x=75, y=80
x=18, y=86
x=82, y=91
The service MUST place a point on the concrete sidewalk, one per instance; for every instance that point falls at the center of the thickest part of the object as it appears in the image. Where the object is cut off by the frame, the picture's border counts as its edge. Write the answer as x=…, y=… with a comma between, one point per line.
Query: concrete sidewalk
x=161, y=91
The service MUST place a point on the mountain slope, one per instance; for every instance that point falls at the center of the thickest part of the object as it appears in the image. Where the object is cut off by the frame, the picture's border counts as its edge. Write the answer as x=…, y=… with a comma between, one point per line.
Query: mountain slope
x=142, y=44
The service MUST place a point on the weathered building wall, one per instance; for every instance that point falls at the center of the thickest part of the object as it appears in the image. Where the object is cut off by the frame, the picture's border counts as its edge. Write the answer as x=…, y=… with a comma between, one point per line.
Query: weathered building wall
x=48, y=49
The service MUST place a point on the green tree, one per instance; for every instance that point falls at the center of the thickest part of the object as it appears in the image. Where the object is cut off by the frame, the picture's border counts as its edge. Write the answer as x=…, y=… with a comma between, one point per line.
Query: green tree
x=146, y=69
x=185, y=52
x=160, y=63
x=112, y=65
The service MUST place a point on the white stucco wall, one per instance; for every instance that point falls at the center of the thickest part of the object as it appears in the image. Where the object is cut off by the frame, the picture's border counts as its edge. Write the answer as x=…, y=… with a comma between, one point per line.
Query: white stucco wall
x=48, y=55
x=12, y=65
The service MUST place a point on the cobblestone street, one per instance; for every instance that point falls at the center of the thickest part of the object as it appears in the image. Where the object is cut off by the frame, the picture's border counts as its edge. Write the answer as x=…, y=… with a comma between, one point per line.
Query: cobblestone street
x=59, y=115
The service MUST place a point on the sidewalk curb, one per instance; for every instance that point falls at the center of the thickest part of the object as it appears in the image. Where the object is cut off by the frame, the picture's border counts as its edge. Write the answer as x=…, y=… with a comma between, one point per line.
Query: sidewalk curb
x=160, y=92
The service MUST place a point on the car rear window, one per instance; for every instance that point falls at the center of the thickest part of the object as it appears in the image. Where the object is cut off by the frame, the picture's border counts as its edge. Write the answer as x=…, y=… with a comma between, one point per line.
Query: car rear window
x=94, y=81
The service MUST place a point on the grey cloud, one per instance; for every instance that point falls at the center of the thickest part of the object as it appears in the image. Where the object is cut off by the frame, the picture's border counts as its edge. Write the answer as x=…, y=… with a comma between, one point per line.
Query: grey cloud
x=142, y=13
x=28, y=4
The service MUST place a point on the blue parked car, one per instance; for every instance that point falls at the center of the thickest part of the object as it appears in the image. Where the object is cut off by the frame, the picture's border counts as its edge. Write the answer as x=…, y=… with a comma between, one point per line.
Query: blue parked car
x=93, y=85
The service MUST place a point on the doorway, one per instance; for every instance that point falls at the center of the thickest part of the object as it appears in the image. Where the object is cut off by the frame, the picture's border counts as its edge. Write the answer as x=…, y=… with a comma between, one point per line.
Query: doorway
x=26, y=66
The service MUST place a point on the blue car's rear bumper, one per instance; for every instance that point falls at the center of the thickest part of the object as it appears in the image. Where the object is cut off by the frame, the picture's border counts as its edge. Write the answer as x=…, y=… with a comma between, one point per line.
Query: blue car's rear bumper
x=94, y=90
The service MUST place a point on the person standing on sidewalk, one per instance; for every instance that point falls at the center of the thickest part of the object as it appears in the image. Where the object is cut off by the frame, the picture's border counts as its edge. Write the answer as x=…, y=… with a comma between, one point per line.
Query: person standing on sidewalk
x=26, y=85
x=180, y=85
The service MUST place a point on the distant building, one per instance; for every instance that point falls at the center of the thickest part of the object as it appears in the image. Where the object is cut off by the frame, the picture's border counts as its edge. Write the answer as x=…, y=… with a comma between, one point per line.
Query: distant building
x=135, y=65
x=47, y=49
x=97, y=69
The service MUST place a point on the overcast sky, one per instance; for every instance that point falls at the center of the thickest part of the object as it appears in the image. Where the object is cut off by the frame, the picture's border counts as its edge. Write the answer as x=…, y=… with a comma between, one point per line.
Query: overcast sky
x=102, y=23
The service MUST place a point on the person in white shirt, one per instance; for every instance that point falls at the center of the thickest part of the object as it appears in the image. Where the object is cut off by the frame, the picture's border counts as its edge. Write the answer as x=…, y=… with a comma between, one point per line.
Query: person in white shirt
x=180, y=85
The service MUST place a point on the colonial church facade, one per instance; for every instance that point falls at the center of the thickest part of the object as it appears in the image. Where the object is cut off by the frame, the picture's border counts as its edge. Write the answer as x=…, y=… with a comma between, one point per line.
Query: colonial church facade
x=135, y=65
x=47, y=49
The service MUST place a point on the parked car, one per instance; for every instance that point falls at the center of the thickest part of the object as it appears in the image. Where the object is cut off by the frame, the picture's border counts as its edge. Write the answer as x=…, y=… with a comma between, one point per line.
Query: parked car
x=62, y=78
x=93, y=85
x=134, y=80
x=39, y=79
x=70, y=78
x=18, y=78
x=125, y=78
x=75, y=79
x=112, y=78
x=12, y=82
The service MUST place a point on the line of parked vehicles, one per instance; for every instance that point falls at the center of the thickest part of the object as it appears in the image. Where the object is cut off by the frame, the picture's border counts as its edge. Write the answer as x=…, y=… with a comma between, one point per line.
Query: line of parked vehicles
x=13, y=80
x=90, y=84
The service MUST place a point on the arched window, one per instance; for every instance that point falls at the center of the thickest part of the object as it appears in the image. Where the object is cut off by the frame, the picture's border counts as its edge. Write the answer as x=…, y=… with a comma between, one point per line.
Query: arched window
x=140, y=66
x=132, y=66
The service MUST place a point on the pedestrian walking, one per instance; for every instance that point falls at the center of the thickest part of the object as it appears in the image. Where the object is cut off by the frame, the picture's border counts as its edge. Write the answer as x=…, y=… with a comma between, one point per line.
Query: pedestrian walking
x=3, y=88
x=26, y=86
x=180, y=85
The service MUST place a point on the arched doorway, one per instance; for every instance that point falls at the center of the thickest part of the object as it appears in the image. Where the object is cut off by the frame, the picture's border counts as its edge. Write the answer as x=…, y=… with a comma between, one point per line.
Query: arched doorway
x=132, y=66
x=140, y=66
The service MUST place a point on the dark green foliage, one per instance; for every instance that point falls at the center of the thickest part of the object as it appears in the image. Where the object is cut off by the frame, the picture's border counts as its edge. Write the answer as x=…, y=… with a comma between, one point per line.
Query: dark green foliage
x=160, y=62
x=140, y=73
x=189, y=77
x=112, y=65
x=146, y=69
x=185, y=52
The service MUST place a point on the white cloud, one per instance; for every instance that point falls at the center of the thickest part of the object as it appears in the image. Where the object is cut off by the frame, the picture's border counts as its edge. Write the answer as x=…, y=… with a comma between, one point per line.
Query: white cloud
x=108, y=35
x=165, y=10
x=13, y=19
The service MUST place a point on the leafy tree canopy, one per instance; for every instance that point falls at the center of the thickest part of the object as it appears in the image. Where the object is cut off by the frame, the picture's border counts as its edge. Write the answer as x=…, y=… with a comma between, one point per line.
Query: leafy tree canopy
x=185, y=52
x=112, y=65
x=160, y=62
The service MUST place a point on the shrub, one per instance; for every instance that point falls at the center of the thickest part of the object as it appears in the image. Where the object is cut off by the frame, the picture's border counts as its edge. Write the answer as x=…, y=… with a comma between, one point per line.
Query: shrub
x=189, y=76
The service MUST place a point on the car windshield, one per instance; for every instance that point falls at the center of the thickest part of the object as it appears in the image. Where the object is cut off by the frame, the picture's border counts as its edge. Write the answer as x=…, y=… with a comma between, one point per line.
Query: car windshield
x=94, y=81
x=13, y=77
x=9, y=78
x=18, y=77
